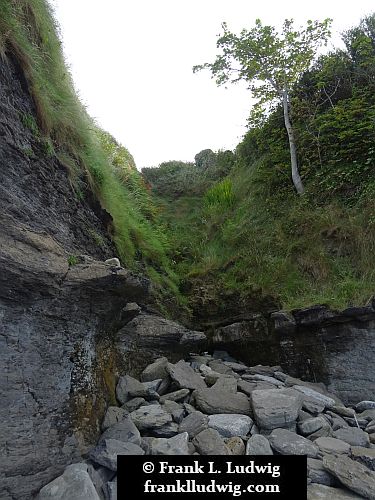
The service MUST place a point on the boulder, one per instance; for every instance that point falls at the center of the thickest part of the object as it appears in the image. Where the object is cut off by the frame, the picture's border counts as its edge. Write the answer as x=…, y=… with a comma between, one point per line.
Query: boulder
x=156, y=370
x=194, y=423
x=363, y=455
x=74, y=484
x=212, y=401
x=177, y=445
x=175, y=396
x=166, y=431
x=235, y=445
x=275, y=408
x=353, y=436
x=322, y=492
x=134, y=404
x=317, y=473
x=230, y=425
x=128, y=387
x=365, y=405
x=264, y=378
x=113, y=415
x=150, y=417
x=124, y=431
x=226, y=384
x=106, y=452
x=314, y=396
x=209, y=442
x=329, y=445
x=353, y=475
x=258, y=445
x=184, y=376
x=288, y=443
x=310, y=425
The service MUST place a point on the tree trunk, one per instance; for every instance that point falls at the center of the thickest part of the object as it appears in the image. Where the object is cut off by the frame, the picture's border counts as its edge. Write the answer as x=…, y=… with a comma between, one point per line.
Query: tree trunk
x=297, y=181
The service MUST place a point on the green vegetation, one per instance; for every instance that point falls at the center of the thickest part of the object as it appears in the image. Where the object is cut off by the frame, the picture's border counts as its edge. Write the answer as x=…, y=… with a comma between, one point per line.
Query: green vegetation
x=72, y=260
x=267, y=241
x=28, y=33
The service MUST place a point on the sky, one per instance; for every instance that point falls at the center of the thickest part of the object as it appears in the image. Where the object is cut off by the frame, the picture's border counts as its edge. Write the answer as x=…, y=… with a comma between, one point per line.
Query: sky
x=131, y=62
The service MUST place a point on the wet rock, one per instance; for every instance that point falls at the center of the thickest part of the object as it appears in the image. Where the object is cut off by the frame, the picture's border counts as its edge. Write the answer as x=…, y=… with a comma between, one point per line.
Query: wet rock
x=353, y=475
x=289, y=443
x=230, y=425
x=212, y=401
x=74, y=484
x=209, y=442
x=258, y=445
x=275, y=408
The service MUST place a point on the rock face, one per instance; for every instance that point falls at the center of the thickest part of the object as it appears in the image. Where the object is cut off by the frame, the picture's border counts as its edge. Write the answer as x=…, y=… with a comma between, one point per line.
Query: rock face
x=60, y=306
x=315, y=343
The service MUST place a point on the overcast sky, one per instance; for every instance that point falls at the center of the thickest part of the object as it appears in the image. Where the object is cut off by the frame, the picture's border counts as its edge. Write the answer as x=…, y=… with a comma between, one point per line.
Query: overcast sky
x=132, y=60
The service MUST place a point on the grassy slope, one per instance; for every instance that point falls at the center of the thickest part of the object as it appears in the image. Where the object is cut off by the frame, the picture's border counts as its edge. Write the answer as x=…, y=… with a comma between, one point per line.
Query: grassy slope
x=28, y=31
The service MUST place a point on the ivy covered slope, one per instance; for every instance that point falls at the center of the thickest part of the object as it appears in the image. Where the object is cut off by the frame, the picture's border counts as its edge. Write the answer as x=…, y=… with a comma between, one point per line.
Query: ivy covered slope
x=249, y=233
x=97, y=164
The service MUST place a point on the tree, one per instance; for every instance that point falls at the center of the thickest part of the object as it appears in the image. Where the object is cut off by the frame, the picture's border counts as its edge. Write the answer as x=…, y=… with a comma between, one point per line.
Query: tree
x=271, y=64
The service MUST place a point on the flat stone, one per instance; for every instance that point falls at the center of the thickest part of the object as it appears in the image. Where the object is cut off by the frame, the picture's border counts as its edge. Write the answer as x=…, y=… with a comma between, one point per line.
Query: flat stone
x=322, y=492
x=227, y=384
x=175, y=396
x=313, y=407
x=209, y=442
x=194, y=423
x=264, y=378
x=258, y=445
x=230, y=425
x=74, y=484
x=156, y=370
x=353, y=475
x=363, y=455
x=275, y=408
x=317, y=474
x=236, y=367
x=235, y=445
x=124, y=431
x=353, y=436
x=184, y=376
x=128, y=387
x=212, y=401
x=343, y=411
x=113, y=415
x=166, y=431
x=288, y=443
x=150, y=417
x=332, y=445
x=265, y=370
x=153, y=385
x=312, y=395
x=177, y=445
x=310, y=425
x=134, y=404
x=106, y=452
x=220, y=367
x=365, y=405
x=171, y=406
x=247, y=387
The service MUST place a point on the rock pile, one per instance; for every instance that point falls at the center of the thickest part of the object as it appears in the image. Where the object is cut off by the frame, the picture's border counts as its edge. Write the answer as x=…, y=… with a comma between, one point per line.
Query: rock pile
x=214, y=405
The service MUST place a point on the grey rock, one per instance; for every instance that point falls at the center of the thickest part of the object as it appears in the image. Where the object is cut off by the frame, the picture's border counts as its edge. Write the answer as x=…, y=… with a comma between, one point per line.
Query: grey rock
x=264, y=378
x=365, y=405
x=353, y=436
x=235, y=445
x=166, y=431
x=258, y=445
x=236, y=367
x=275, y=408
x=114, y=262
x=113, y=415
x=247, y=387
x=153, y=385
x=284, y=322
x=353, y=475
x=212, y=401
x=226, y=384
x=343, y=411
x=134, y=404
x=220, y=367
x=209, y=442
x=124, y=431
x=317, y=474
x=184, y=376
x=74, y=484
x=177, y=445
x=150, y=417
x=178, y=415
x=106, y=452
x=171, y=406
x=175, y=396
x=112, y=490
x=128, y=387
x=310, y=425
x=230, y=425
x=316, y=397
x=164, y=386
x=364, y=455
x=194, y=423
x=329, y=445
x=288, y=443
x=313, y=407
x=322, y=492
x=156, y=370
